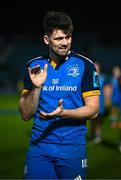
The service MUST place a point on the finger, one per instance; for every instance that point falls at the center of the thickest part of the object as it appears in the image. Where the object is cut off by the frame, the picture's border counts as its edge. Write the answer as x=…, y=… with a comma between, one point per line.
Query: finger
x=42, y=115
x=37, y=69
x=29, y=69
x=45, y=67
x=32, y=70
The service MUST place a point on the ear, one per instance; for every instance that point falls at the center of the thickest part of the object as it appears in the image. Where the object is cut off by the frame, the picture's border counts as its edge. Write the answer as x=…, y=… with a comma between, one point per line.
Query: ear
x=46, y=39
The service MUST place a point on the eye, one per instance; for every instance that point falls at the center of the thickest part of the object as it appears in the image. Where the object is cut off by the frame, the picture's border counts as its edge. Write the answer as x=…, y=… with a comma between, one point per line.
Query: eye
x=68, y=37
x=58, y=38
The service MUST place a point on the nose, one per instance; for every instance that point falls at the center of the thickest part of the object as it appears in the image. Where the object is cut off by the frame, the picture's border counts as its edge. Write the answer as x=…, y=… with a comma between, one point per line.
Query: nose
x=64, y=41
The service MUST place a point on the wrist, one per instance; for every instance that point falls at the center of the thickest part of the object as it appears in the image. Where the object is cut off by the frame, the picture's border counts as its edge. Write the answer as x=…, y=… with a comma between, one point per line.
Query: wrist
x=63, y=113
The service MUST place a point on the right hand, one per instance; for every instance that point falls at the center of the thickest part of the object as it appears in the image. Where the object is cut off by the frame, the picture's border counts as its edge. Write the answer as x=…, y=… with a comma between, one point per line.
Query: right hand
x=56, y=113
x=37, y=75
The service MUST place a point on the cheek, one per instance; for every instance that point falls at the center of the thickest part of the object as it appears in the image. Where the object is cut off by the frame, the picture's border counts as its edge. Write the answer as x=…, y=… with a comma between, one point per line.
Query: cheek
x=70, y=40
x=53, y=45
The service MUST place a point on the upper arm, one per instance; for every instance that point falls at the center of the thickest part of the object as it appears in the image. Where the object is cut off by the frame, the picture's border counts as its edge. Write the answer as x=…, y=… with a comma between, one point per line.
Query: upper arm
x=23, y=96
x=92, y=101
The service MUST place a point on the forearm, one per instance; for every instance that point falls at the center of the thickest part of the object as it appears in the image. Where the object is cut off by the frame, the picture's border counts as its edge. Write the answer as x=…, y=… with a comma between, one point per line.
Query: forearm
x=88, y=112
x=29, y=103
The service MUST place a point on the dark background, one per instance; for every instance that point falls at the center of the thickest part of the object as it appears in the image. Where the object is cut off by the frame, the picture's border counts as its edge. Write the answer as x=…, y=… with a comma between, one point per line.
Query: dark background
x=97, y=33
x=102, y=18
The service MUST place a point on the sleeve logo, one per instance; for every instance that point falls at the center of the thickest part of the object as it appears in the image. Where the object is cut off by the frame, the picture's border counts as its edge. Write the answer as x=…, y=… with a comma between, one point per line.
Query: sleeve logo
x=96, y=82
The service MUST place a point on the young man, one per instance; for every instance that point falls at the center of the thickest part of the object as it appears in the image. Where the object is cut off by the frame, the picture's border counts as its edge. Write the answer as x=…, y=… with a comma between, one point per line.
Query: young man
x=61, y=92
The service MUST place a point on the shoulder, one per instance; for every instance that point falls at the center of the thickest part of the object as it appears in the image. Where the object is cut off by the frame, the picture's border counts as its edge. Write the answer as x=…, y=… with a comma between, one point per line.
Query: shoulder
x=82, y=57
x=85, y=60
x=37, y=59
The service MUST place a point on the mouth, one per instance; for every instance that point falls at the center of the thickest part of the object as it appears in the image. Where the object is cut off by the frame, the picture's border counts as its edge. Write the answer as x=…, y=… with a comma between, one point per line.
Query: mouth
x=63, y=49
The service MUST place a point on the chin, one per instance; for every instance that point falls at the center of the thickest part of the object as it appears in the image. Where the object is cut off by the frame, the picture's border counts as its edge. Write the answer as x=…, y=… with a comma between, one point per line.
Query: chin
x=63, y=53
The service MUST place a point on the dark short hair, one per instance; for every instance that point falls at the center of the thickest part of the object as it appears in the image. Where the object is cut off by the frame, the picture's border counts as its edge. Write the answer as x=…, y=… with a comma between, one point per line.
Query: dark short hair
x=57, y=20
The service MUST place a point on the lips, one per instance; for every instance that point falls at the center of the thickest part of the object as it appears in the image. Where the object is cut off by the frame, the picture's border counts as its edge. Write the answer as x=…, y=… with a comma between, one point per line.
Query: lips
x=63, y=48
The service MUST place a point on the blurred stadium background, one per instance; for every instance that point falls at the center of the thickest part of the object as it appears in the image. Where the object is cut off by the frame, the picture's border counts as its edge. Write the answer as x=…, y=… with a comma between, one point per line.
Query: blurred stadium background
x=99, y=38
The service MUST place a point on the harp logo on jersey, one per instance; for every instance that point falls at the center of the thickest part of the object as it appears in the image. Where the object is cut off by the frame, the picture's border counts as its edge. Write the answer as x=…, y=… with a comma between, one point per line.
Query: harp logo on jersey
x=73, y=70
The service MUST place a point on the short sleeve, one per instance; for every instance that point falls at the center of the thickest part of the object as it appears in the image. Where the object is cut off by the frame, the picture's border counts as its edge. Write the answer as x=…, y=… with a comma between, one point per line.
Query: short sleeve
x=27, y=84
x=90, y=81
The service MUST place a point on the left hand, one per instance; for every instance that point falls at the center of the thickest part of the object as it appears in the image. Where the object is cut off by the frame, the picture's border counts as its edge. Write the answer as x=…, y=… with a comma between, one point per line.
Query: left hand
x=37, y=75
x=56, y=112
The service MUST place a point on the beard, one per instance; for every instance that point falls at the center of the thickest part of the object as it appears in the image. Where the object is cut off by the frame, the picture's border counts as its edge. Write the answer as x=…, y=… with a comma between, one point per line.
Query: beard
x=59, y=54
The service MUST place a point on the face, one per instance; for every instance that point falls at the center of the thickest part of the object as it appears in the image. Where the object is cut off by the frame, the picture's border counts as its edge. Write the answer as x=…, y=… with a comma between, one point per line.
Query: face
x=59, y=42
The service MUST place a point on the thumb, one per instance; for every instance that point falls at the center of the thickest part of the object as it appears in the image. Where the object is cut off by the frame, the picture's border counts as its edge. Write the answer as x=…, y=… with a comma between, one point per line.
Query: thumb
x=60, y=102
x=29, y=70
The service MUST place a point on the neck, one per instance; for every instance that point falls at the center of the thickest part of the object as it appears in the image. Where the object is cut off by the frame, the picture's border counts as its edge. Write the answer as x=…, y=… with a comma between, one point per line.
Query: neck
x=56, y=58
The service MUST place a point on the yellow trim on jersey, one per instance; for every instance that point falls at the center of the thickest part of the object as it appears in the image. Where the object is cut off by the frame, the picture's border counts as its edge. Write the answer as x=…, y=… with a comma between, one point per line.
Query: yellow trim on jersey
x=53, y=64
x=91, y=93
x=25, y=91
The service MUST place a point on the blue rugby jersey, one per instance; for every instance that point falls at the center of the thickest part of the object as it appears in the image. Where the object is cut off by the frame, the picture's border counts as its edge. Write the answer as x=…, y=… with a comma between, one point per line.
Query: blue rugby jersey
x=72, y=80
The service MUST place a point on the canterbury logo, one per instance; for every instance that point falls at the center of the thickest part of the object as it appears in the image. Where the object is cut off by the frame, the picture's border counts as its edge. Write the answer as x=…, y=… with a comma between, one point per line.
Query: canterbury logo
x=78, y=178
x=25, y=170
x=84, y=163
